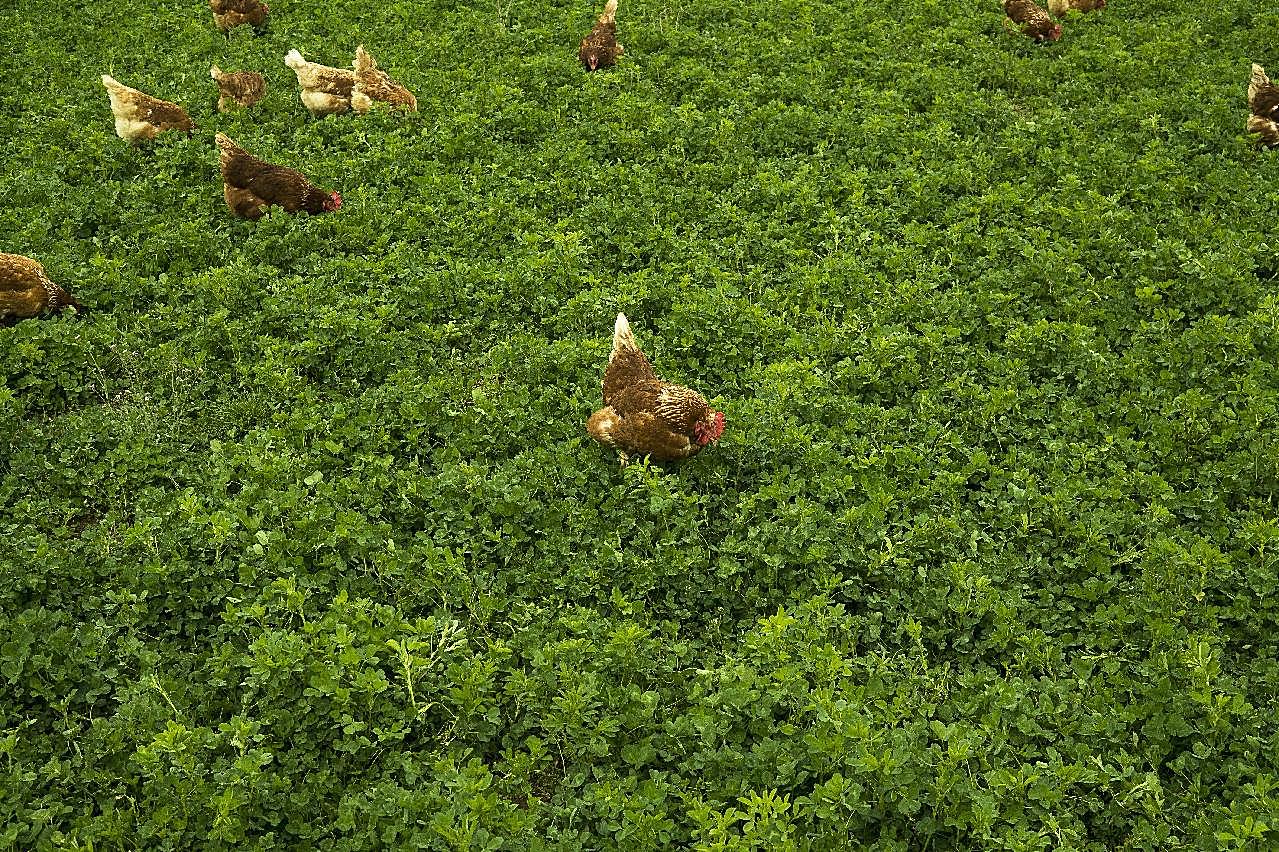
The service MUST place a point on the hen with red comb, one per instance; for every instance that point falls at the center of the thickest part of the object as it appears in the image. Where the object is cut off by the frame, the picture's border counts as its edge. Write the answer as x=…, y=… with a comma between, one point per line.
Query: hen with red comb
x=644, y=415
x=250, y=185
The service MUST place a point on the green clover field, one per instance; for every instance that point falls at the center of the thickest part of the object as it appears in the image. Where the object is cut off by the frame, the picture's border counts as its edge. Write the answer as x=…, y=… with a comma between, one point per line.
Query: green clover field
x=304, y=545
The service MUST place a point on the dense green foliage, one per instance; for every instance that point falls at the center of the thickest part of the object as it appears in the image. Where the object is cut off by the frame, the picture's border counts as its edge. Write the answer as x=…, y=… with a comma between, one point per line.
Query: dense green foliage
x=303, y=545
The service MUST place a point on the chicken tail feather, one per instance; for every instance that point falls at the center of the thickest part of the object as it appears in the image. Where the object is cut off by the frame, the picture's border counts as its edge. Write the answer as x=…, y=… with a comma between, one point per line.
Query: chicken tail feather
x=363, y=62
x=610, y=12
x=215, y=72
x=226, y=148
x=623, y=339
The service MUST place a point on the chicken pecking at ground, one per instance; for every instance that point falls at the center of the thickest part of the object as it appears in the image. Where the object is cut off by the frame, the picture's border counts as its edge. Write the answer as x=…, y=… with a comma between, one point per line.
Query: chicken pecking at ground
x=600, y=49
x=1061, y=7
x=250, y=185
x=25, y=289
x=643, y=414
x=1032, y=19
x=325, y=90
x=242, y=88
x=1263, y=107
x=139, y=116
x=229, y=14
x=374, y=85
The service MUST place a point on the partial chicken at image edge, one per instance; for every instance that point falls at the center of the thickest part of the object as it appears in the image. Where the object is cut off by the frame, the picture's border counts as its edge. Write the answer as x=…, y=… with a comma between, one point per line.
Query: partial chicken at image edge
x=1263, y=107
x=645, y=415
x=26, y=291
x=140, y=116
x=251, y=185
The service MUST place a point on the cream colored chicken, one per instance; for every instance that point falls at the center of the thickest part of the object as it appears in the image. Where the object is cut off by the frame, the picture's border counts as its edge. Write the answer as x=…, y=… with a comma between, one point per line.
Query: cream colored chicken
x=1059, y=8
x=139, y=116
x=325, y=90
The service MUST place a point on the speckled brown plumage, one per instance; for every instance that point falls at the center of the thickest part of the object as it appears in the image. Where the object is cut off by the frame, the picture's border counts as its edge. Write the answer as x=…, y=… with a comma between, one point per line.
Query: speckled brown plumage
x=1061, y=7
x=250, y=185
x=228, y=14
x=1266, y=130
x=26, y=291
x=601, y=49
x=374, y=85
x=140, y=116
x=325, y=90
x=1263, y=107
x=1033, y=20
x=238, y=88
x=647, y=416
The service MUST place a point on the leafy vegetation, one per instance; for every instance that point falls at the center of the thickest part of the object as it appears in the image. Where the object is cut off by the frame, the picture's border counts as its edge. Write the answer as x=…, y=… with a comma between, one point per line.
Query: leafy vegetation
x=305, y=547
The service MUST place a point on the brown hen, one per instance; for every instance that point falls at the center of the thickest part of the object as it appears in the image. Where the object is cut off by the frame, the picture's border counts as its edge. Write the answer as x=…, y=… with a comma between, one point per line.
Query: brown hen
x=374, y=85
x=25, y=289
x=250, y=185
x=600, y=49
x=1032, y=19
x=643, y=414
x=229, y=14
x=242, y=88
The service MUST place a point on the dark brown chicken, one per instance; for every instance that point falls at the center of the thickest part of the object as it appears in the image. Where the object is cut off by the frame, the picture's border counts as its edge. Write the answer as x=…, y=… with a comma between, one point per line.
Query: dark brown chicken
x=229, y=14
x=1263, y=107
x=374, y=85
x=600, y=49
x=241, y=88
x=139, y=116
x=26, y=291
x=1032, y=19
x=1061, y=7
x=250, y=185
x=643, y=414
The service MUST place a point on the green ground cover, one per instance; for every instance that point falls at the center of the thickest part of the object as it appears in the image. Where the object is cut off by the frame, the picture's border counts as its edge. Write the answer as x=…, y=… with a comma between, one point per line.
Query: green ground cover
x=303, y=545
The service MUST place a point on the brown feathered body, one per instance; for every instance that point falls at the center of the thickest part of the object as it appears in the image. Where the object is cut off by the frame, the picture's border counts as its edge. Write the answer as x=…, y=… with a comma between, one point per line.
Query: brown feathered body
x=1061, y=7
x=250, y=185
x=1033, y=20
x=238, y=88
x=374, y=85
x=229, y=14
x=647, y=416
x=26, y=291
x=1263, y=107
x=139, y=116
x=325, y=90
x=601, y=49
